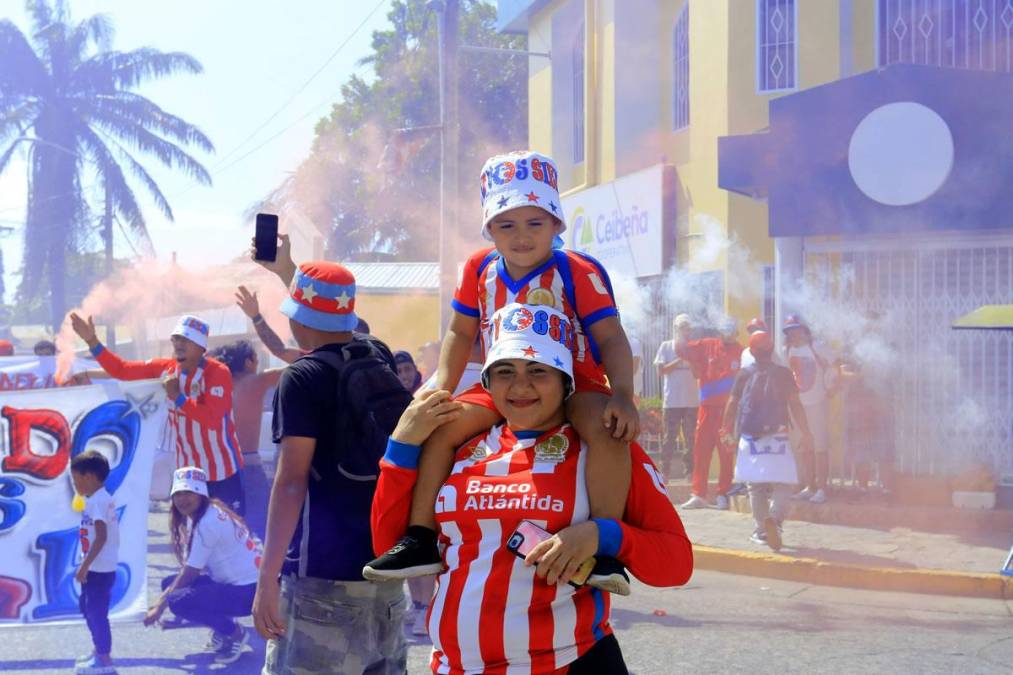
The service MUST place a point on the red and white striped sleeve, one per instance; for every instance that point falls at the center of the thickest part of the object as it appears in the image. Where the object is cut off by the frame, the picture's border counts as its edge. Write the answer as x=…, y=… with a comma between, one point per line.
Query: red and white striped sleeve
x=651, y=540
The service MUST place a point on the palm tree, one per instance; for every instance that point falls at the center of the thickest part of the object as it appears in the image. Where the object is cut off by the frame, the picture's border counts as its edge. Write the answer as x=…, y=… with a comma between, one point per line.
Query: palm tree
x=65, y=97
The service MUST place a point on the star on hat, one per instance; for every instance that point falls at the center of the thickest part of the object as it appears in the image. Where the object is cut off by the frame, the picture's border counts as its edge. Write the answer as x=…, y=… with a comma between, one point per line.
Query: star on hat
x=530, y=351
x=532, y=197
x=308, y=292
x=553, y=206
x=558, y=362
x=503, y=201
x=343, y=300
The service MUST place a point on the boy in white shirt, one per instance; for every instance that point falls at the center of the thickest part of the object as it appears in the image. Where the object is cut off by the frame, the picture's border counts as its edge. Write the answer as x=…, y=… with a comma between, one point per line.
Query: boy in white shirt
x=100, y=543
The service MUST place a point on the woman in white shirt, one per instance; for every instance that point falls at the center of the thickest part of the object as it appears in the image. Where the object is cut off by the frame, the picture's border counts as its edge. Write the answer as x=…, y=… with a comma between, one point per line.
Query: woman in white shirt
x=219, y=558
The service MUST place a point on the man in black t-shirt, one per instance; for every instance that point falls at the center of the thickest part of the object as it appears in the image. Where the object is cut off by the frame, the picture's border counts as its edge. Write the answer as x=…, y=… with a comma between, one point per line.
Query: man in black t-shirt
x=322, y=616
x=757, y=419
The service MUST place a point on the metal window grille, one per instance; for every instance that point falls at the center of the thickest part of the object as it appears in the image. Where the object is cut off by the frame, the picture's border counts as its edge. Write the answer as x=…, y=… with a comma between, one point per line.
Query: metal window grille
x=578, y=96
x=971, y=34
x=680, y=70
x=953, y=403
x=777, y=39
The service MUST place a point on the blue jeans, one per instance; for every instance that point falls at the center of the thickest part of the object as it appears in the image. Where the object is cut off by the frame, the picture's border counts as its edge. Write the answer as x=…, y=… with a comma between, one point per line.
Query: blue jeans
x=94, y=603
x=210, y=603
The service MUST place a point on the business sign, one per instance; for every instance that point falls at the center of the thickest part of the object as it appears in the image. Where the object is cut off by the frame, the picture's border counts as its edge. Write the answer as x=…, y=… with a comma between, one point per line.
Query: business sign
x=623, y=223
x=40, y=431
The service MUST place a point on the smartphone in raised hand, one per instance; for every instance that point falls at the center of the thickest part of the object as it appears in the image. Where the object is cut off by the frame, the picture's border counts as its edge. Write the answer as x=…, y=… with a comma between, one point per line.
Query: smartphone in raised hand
x=266, y=237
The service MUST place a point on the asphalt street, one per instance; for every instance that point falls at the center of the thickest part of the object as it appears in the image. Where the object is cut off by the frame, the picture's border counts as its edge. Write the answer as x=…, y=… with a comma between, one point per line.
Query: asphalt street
x=716, y=624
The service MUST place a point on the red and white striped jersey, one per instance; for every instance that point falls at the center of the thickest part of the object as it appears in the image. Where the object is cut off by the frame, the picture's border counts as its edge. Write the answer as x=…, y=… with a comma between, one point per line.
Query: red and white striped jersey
x=569, y=282
x=490, y=613
x=203, y=425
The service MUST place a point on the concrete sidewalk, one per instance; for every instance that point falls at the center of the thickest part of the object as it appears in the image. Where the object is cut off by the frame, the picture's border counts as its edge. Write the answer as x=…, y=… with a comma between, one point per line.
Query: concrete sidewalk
x=876, y=558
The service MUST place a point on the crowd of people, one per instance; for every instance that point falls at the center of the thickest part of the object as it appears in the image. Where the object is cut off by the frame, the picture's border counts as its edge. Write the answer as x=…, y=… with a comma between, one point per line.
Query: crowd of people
x=498, y=472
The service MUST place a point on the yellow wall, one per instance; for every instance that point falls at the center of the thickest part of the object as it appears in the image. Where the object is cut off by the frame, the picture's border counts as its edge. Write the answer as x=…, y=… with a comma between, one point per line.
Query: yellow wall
x=723, y=101
x=402, y=321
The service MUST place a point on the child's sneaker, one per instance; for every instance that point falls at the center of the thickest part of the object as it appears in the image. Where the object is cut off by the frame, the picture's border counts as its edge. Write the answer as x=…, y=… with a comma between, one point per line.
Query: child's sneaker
x=721, y=503
x=609, y=575
x=819, y=497
x=758, y=538
x=85, y=658
x=232, y=647
x=95, y=666
x=414, y=555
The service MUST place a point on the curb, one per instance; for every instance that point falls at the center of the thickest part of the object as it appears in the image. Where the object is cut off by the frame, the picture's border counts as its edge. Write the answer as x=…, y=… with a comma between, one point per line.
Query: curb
x=813, y=571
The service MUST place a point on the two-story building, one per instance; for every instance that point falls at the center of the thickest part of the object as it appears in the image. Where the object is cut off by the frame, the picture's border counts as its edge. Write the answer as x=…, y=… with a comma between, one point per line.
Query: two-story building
x=743, y=148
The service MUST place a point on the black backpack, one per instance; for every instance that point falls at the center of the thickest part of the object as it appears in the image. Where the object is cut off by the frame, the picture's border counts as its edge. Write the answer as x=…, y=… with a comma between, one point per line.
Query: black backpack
x=763, y=408
x=371, y=400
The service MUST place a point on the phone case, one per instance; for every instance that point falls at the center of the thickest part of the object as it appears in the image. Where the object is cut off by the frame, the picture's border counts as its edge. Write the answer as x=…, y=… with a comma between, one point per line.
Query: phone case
x=528, y=535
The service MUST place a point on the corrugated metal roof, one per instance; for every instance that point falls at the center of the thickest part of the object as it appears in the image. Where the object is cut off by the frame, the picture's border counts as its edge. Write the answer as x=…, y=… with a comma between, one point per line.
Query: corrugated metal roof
x=394, y=276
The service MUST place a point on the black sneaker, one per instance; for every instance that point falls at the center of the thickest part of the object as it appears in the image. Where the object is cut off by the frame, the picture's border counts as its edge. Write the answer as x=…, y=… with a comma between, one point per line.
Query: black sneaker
x=609, y=575
x=414, y=555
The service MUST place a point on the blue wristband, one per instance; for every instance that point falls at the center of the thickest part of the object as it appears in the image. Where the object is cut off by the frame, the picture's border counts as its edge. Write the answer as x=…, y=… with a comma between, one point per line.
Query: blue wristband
x=180, y=400
x=403, y=455
x=97, y=349
x=610, y=536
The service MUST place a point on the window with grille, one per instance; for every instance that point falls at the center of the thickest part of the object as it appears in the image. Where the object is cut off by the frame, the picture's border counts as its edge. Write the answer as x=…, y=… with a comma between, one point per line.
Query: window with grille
x=972, y=34
x=578, y=96
x=680, y=70
x=777, y=45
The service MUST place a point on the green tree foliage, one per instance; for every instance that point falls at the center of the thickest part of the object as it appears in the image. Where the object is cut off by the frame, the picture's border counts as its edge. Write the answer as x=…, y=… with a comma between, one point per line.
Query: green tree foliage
x=67, y=99
x=372, y=209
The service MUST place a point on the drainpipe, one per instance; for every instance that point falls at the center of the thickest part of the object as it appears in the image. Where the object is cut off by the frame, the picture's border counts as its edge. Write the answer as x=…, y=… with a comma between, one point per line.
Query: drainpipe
x=590, y=98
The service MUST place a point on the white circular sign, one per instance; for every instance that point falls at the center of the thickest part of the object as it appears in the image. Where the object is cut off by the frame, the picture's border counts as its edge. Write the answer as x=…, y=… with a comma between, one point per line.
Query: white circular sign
x=901, y=153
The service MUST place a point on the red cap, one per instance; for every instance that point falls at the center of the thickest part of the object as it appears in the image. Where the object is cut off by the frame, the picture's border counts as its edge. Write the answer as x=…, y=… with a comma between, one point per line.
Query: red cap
x=756, y=324
x=761, y=343
x=6, y=348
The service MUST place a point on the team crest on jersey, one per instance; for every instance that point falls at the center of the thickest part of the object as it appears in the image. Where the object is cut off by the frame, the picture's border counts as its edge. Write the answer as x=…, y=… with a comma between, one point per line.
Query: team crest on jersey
x=194, y=389
x=518, y=320
x=479, y=452
x=552, y=449
x=541, y=296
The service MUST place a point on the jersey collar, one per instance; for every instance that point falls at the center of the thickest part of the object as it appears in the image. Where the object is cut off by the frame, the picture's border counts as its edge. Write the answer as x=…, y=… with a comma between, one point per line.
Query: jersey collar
x=516, y=286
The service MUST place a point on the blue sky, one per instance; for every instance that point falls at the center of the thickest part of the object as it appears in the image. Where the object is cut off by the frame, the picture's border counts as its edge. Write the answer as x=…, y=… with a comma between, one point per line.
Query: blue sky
x=256, y=55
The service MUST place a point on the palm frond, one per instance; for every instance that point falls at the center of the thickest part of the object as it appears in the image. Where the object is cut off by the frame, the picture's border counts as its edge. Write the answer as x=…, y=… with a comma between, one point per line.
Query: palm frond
x=96, y=30
x=111, y=175
x=16, y=116
x=138, y=170
x=5, y=158
x=22, y=73
x=142, y=111
x=143, y=140
x=40, y=13
x=114, y=71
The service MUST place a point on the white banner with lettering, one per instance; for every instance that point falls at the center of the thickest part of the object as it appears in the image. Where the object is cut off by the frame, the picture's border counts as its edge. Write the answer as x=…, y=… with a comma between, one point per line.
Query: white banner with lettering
x=35, y=372
x=41, y=431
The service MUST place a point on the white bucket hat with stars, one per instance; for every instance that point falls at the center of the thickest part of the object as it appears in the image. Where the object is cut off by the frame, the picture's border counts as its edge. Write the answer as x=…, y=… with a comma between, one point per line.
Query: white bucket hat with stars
x=516, y=179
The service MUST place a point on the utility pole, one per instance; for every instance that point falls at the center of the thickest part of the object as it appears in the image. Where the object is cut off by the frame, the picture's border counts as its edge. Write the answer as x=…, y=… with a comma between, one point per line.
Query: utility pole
x=449, y=11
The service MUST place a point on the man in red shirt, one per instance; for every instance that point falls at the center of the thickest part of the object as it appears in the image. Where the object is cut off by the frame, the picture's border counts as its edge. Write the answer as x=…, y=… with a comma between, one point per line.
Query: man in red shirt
x=200, y=399
x=715, y=362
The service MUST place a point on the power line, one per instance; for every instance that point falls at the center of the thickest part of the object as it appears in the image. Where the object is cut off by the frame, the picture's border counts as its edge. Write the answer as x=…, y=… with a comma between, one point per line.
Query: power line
x=300, y=90
x=219, y=169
